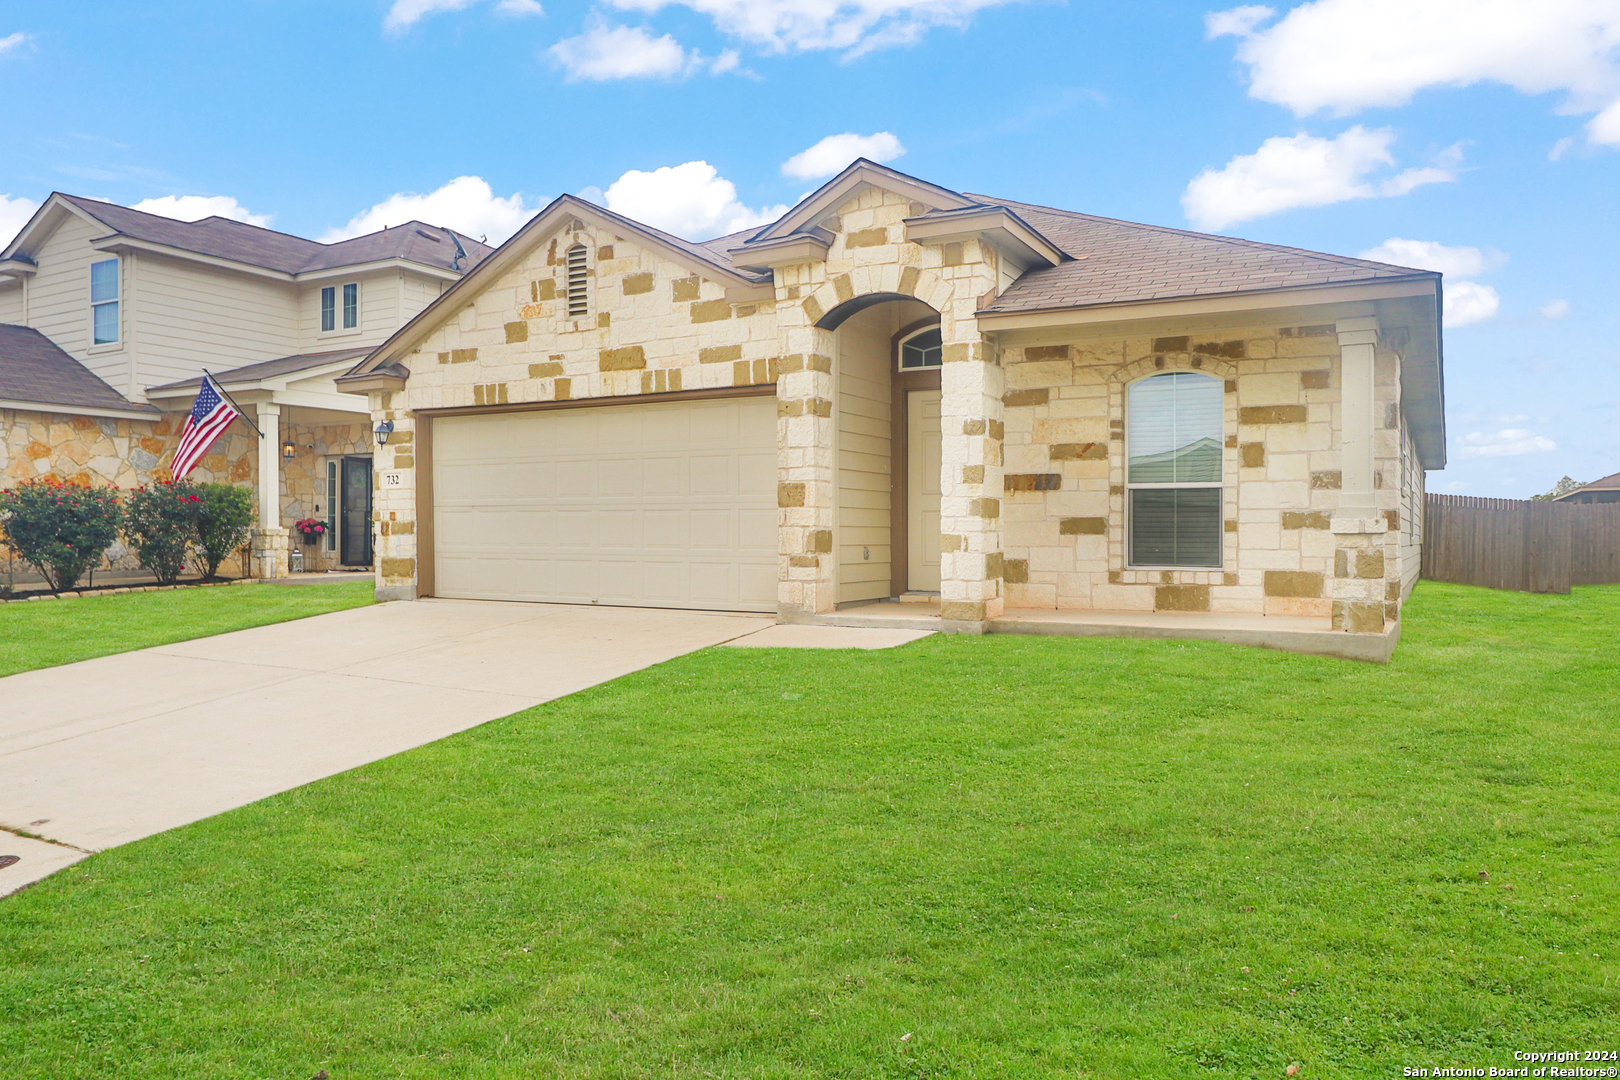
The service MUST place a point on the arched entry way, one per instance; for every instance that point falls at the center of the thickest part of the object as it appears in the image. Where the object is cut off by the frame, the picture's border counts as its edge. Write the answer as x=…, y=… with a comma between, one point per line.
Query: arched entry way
x=886, y=383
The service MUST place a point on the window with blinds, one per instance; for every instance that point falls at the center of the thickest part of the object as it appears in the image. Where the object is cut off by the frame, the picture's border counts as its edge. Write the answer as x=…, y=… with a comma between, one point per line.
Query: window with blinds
x=578, y=302
x=1174, y=451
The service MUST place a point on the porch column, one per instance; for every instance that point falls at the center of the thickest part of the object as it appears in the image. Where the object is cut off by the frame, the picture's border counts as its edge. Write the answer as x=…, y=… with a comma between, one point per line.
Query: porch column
x=1358, y=528
x=269, y=543
x=972, y=431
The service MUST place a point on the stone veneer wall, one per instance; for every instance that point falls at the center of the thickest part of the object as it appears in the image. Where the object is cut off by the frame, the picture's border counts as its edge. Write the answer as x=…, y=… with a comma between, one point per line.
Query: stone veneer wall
x=132, y=453
x=1064, y=504
x=121, y=453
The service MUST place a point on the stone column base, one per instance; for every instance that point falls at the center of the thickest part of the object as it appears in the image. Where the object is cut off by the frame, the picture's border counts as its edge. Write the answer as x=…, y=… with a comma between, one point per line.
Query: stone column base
x=1358, y=575
x=268, y=553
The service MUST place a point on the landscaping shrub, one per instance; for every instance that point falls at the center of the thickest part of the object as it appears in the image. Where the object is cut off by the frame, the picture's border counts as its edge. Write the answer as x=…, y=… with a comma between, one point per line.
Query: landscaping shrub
x=160, y=523
x=60, y=529
x=224, y=523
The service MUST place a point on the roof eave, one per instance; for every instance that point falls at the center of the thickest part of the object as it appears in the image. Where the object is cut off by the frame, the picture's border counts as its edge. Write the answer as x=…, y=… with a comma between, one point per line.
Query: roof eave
x=389, y=377
x=118, y=243
x=858, y=175
x=131, y=412
x=1000, y=226
x=398, y=262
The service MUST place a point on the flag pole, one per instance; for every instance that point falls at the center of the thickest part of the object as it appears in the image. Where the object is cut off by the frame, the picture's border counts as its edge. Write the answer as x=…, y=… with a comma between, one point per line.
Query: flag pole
x=239, y=410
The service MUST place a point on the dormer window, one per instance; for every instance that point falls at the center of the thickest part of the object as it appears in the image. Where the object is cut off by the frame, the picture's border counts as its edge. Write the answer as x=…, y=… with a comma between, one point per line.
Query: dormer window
x=921, y=350
x=578, y=304
x=104, y=302
x=329, y=307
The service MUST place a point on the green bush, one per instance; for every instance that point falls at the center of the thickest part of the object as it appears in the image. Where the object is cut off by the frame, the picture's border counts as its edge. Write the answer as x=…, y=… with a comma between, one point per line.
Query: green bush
x=224, y=523
x=60, y=529
x=160, y=524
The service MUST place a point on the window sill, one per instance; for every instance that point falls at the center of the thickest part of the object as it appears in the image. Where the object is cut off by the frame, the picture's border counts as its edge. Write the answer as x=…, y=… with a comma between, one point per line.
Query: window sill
x=105, y=348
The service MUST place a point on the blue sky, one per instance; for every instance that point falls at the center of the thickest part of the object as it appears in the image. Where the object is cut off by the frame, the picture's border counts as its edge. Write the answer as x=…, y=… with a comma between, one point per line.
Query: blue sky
x=1484, y=135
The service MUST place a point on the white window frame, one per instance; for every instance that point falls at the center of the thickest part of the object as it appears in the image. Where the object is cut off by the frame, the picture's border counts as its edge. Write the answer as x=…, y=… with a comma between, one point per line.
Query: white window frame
x=1129, y=487
x=339, y=309
x=900, y=350
x=117, y=302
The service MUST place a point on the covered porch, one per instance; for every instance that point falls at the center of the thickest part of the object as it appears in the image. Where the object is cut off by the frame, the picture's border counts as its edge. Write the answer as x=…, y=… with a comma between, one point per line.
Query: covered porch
x=314, y=460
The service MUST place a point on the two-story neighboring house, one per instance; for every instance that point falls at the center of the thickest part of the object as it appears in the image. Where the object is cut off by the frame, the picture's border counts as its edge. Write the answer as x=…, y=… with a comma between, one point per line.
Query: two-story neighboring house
x=109, y=317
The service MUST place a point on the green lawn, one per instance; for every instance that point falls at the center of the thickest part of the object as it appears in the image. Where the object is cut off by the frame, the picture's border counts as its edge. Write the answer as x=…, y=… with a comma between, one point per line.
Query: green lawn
x=997, y=857
x=50, y=632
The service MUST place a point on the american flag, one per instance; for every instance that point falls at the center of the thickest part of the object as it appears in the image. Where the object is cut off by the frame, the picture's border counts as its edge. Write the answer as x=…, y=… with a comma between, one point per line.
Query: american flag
x=210, y=416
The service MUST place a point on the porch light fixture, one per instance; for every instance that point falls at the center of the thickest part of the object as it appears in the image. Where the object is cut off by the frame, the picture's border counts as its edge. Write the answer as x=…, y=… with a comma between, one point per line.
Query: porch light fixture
x=383, y=429
x=288, y=449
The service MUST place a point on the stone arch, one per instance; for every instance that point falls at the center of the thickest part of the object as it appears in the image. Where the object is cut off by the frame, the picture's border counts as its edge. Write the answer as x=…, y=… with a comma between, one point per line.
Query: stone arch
x=889, y=281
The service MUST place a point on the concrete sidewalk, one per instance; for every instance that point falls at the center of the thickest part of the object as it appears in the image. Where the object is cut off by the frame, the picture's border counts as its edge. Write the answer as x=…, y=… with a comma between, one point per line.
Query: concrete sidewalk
x=107, y=751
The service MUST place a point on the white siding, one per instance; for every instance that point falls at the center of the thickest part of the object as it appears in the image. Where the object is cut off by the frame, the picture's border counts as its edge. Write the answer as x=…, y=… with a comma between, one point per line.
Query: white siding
x=189, y=317
x=59, y=299
x=419, y=293
x=864, y=447
x=1412, y=489
x=11, y=305
x=380, y=309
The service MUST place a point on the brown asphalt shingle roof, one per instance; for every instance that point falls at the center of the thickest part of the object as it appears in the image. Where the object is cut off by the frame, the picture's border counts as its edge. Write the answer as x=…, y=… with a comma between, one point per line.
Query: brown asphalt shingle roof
x=1116, y=262
x=222, y=238
x=273, y=369
x=1608, y=483
x=34, y=370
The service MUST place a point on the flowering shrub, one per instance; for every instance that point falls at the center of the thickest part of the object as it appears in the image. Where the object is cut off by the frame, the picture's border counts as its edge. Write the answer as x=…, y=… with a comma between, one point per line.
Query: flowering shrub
x=160, y=523
x=60, y=529
x=224, y=523
x=311, y=529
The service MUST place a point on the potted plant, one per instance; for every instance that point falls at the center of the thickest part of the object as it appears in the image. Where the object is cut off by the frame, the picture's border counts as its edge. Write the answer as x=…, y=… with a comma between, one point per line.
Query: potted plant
x=311, y=529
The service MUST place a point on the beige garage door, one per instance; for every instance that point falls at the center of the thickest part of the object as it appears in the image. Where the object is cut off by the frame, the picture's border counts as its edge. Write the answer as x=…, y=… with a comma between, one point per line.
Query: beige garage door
x=670, y=505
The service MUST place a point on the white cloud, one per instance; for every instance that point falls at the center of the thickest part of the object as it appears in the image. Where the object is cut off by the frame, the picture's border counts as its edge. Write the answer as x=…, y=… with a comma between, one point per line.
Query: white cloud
x=520, y=7
x=1288, y=172
x=1560, y=148
x=1429, y=255
x=691, y=200
x=13, y=42
x=197, y=207
x=14, y=214
x=405, y=14
x=1238, y=22
x=836, y=151
x=465, y=204
x=1345, y=55
x=622, y=52
x=1508, y=442
x=852, y=26
x=1469, y=302
x=1555, y=309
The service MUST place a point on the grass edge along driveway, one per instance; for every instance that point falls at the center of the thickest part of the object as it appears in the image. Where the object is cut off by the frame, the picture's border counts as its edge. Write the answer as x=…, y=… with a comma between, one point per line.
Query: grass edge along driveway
x=46, y=633
x=997, y=857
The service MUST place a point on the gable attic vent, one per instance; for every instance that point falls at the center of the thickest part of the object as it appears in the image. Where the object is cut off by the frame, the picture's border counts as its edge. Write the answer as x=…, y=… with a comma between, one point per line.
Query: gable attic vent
x=577, y=307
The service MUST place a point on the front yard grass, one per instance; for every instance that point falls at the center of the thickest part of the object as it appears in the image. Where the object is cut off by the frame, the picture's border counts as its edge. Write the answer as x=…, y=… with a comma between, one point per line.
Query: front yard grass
x=45, y=633
x=998, y=857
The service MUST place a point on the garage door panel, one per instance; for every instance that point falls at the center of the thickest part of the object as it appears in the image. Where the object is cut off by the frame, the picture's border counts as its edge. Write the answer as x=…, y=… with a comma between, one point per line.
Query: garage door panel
x=669, y=505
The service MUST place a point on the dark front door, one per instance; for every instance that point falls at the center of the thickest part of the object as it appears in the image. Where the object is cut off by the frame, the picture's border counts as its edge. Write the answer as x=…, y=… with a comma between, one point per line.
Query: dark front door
x=354, y=535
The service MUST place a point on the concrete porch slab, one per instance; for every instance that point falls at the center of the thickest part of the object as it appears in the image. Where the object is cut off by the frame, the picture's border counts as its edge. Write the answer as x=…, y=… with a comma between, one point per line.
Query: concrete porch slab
x=1314, y=637
x=800, y=636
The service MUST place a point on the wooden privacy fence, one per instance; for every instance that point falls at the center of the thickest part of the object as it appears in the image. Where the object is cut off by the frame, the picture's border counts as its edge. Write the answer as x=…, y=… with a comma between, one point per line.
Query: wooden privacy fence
x=1530, y=546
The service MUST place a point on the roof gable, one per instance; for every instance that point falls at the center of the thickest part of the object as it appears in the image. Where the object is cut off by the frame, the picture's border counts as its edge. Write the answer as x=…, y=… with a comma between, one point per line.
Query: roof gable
x=847, y=185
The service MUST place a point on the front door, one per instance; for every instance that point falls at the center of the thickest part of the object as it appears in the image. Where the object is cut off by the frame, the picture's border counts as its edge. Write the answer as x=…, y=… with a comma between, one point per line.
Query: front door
x=922, y=490
x=354, y=529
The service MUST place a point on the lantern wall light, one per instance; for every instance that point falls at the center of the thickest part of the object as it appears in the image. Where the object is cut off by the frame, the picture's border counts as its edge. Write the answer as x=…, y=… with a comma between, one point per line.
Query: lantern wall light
x=288, y=449
x=383, y=429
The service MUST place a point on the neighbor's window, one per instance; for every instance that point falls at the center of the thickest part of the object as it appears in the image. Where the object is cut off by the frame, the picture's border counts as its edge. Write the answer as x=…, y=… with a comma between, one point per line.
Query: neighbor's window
x=351, y=306
x=329, y=309
x=104, y=302
x=920, y=350
x=1173, y=470
x=578, y=307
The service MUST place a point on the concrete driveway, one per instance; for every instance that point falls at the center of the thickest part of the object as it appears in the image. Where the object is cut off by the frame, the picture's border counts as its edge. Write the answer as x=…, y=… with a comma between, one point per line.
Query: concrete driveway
x=106, y=751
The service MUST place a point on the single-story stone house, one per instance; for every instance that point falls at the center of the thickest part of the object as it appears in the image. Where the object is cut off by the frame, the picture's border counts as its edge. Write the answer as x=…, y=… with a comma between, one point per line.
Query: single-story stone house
x=901, y=392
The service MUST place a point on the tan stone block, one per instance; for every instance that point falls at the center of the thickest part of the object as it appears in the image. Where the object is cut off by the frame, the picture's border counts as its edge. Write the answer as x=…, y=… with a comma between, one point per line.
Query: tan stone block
x=1228, y=350
x=1095, y=451
x=1032, y=481
x=984, y=508
x=789, y=495
x=866, y=238
x=1253, y=455
x=545, y=371
x=397, y=568
x=637, y=284
x=1083, y=526
x=1181, y=598
x=1330, y=480
x=1292, y=583
x=973, y=474
x=1271, y=414
x=706, y=311
x=516, y=332
x=628, y=358
x=1318, y=379
x=1046, y=352
x=463, y=356
x=1358, y=617
x=1171, y=344
x=1021, y=398
x=720, y=354
x=563, y=389
x=1082, y=429
x=1314, y=519
x=685, y=289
